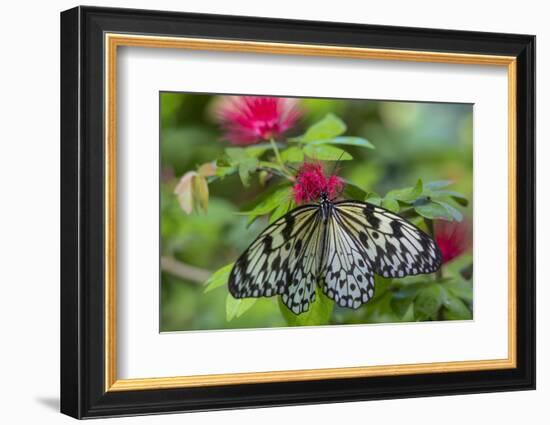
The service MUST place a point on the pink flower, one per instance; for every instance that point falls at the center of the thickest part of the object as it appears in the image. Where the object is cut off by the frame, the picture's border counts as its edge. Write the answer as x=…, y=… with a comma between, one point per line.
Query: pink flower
x=453, y=238
x=250, y=119
x=311, y=181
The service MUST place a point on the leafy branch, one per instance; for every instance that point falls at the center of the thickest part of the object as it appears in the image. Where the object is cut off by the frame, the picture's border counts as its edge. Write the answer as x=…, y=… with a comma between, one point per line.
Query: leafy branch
x=184, y=271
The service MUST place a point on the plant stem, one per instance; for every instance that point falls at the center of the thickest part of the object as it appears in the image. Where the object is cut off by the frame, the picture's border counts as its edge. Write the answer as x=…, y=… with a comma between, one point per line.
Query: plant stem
x=275, y=172
x=278, y=155
x=184, y=271
x=430, y=226
x=439, y=274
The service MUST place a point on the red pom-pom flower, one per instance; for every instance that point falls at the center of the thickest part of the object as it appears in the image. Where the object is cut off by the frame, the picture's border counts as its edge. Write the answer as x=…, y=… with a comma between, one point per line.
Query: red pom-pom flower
x=311, y=181
x=453, y=238
x=249, y=119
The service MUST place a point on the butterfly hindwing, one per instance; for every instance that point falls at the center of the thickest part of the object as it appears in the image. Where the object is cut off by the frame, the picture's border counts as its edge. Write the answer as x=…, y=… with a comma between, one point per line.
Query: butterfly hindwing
x=347, y=276
x=283, y=260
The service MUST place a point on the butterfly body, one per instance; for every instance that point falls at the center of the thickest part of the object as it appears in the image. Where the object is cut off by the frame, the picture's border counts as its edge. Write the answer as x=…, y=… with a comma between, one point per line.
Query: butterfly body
x=336, y=245
x=325, y=206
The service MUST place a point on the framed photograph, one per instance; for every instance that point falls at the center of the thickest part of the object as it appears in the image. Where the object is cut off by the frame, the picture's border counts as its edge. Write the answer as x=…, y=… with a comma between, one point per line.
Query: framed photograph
x=261, y=212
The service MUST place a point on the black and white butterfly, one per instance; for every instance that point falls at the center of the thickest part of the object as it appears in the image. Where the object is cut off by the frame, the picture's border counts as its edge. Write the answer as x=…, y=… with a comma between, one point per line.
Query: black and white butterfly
x=336, y=245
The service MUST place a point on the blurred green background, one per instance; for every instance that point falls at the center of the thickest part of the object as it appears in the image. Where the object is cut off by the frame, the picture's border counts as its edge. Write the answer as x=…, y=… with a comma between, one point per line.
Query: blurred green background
x=431, y=141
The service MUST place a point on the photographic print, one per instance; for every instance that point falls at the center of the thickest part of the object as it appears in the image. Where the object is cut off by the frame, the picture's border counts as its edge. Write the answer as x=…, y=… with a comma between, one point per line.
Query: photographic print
x=280, y=211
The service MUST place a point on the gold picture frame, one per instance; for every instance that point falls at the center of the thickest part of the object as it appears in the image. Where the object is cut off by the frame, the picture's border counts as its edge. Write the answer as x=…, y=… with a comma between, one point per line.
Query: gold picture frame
x=91, y=40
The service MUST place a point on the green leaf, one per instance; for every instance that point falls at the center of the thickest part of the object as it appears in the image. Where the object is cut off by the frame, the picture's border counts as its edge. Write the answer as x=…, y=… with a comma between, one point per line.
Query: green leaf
x=460, y=200
x=245, y=163
x=438, y=184
x=236, y=154
x=246, y=167
x=455, y=309
x=270, y=165
x=257, y=150
x=319, y=312
x=352, y=191
x=379, y=310
x=344, y=140
x=329, y=127
x=326, y=153
x=390, y=204
x=417, y=221
x=373, y=198
x=225, y=171
x=400, y=304
x=433, y=190
x=292, y=154
x=381, y=286
x=374, y=201
x=433, y=211
x=219, y=278
x=270, y=202
x=453, y=212
x=458, y=197
x=408, y=194
x=237, y=307
x=461, y=289
x=262, y=196
x=281, y=210
x=428, y=302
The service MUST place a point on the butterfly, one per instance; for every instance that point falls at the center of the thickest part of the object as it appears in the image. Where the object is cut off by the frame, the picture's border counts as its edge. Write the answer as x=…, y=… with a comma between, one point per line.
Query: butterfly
x=336, y=245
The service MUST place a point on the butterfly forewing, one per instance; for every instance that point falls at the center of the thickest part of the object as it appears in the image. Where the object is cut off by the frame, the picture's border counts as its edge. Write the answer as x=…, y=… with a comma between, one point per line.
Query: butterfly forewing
x=394, y=246
x=283, y=260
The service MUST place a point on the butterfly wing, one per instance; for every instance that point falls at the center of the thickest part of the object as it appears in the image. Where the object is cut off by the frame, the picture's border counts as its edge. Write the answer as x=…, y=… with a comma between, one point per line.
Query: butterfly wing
x=393, y=246
x=357, y=240
x=363, y=239
x=283, y=260
x=347, y=276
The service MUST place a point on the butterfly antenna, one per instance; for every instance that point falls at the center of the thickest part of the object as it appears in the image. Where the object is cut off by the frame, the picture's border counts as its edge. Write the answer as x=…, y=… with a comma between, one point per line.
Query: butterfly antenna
x=336, y=164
